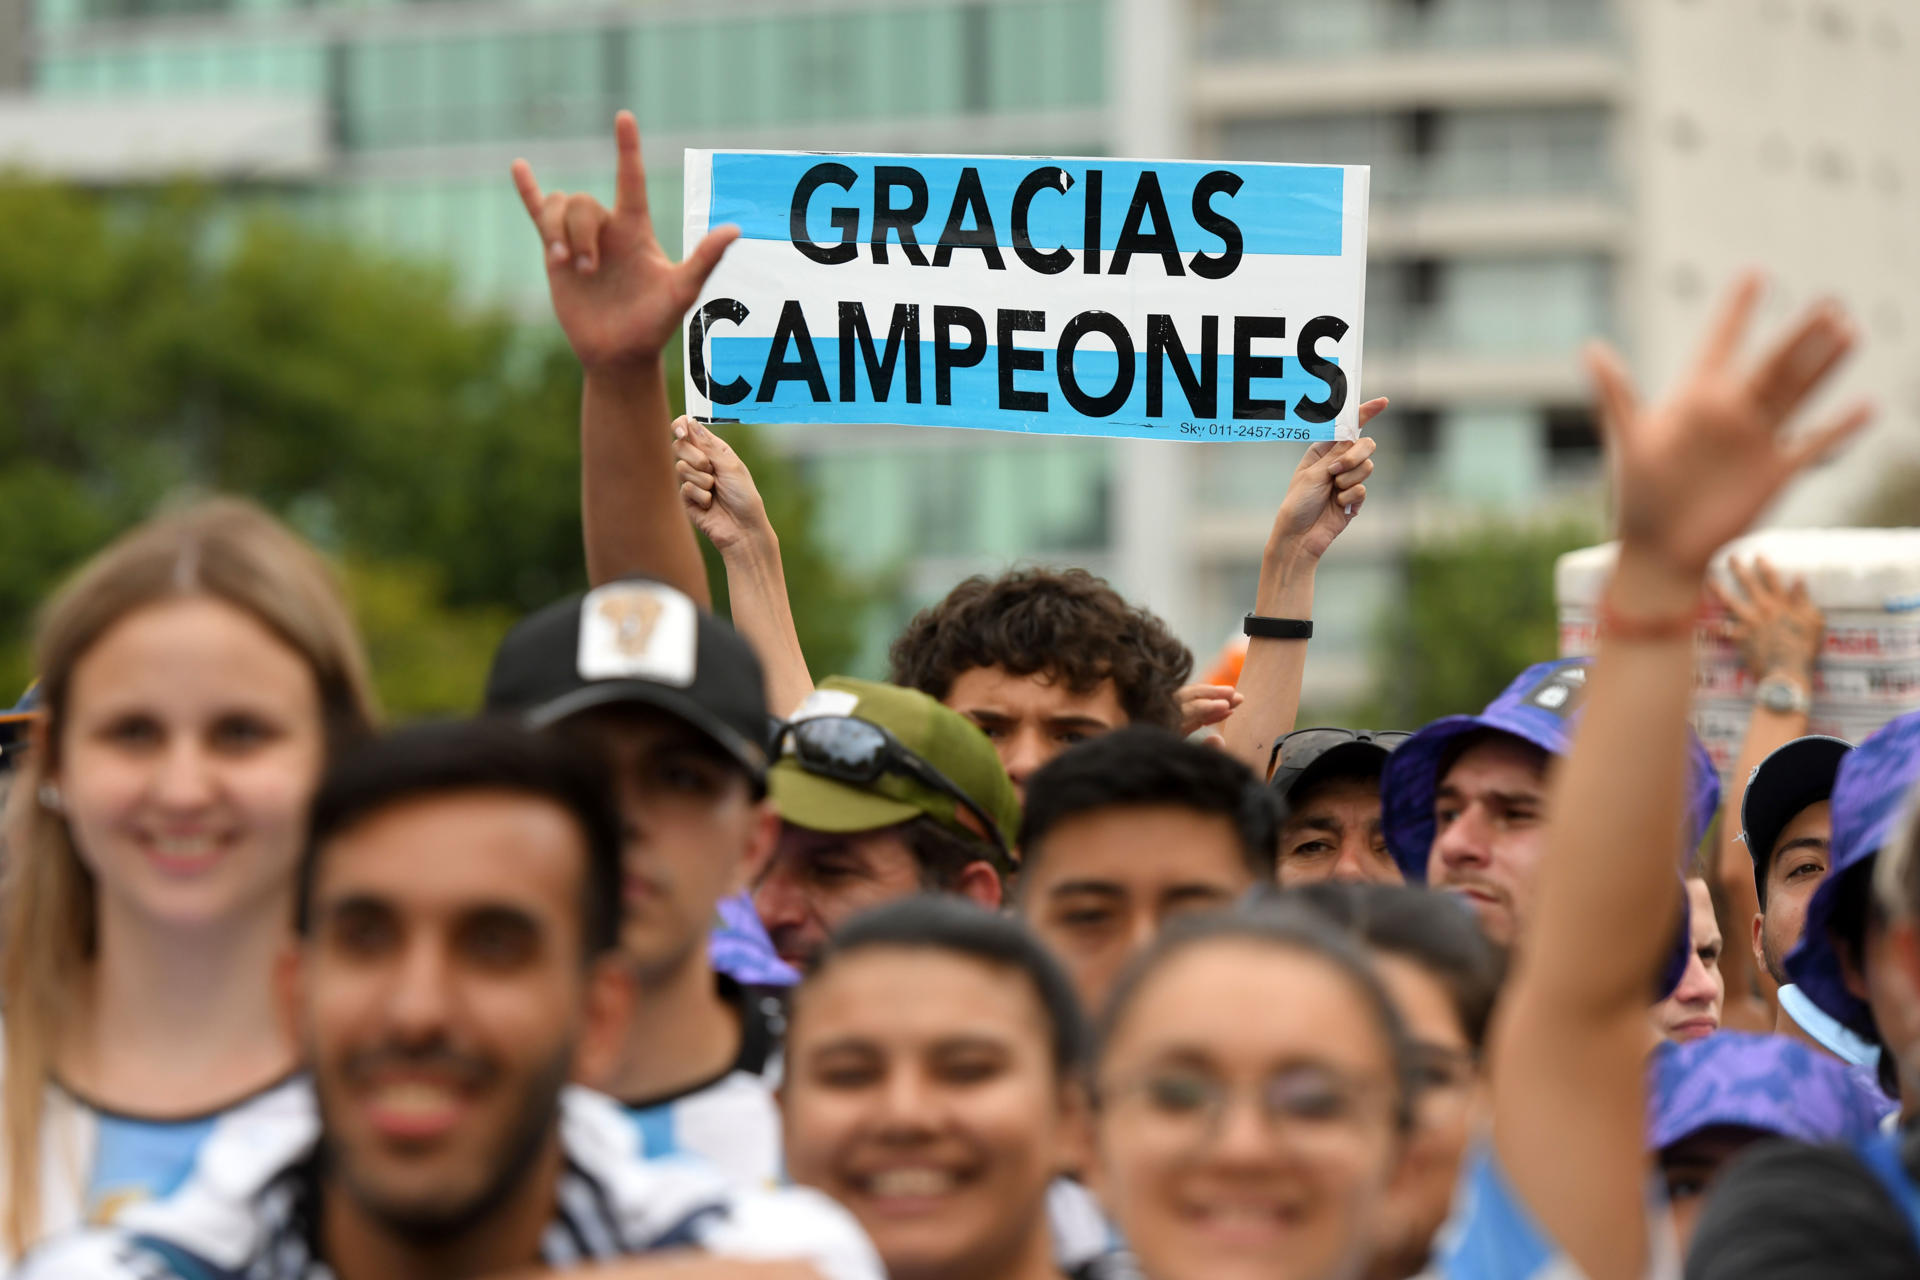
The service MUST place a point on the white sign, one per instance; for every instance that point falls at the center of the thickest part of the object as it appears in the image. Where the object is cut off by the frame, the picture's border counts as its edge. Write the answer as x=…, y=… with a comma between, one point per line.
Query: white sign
x=1164, y=300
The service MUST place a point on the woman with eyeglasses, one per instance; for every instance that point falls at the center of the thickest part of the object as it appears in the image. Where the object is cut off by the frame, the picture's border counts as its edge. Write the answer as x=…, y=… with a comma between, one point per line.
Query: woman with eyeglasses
x=1253, y=1087
x=933, y=1088
x=1444, y=977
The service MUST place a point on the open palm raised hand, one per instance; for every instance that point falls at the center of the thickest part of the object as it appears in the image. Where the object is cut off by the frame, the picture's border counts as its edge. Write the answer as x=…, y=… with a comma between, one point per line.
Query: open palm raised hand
x=616, y=293
x=1695, y=470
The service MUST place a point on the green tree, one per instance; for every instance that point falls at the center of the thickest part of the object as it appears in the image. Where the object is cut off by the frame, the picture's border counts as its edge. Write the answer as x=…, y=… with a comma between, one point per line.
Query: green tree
x=160, y=344
x=1477, y=607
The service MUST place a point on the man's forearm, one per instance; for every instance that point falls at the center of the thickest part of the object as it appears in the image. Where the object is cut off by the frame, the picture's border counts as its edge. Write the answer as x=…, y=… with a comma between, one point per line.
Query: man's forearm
x=629, y=497
x=1270, y=679
x=757, y=595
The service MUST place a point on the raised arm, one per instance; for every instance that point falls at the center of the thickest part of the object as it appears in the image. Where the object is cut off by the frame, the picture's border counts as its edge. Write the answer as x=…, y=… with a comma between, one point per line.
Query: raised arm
x=1322, y=499
x=1778, y=630
x=1568, y=1055
x=620, y=300
x=724, y=504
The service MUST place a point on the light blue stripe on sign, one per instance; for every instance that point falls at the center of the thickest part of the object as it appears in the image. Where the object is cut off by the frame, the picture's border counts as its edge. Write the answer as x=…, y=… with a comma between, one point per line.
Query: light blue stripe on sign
x=975, y=395
x=1279, y=208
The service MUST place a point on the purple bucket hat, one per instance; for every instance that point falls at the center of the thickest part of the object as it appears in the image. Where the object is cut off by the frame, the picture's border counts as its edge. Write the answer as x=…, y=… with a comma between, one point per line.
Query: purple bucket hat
x=1868, y=792
x=1769, y=1084
x=1541, y=706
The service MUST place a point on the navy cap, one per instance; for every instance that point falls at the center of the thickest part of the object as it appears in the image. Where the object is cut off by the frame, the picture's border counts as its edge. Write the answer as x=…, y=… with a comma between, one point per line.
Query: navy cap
x=1541, y=706
x=1868, y=792
x=1769, y=1084
x=635, y=641
x=1793, y=776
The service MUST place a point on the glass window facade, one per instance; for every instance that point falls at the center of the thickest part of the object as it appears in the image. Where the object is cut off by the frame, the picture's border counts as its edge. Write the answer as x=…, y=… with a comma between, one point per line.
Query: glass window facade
x=1445, y=155
x=1317, y=28
x=1495, y=307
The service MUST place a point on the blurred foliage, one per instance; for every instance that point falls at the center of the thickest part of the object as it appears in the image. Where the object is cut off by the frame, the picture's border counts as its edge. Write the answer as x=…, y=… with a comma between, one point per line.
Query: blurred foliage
x=1477, y=607
x=1895, y=503
x=159, y=345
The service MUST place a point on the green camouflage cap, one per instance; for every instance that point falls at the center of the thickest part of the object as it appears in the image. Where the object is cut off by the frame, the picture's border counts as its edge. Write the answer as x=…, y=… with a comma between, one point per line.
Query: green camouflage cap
x=942, y=737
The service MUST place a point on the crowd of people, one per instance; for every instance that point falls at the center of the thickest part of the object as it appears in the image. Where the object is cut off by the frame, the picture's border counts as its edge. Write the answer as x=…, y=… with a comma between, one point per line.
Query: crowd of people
x=1037, y=961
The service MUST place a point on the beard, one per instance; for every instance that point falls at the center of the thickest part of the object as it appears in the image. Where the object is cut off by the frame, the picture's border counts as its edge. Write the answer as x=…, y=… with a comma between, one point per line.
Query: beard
x=1774, y=956
x=512, y=1161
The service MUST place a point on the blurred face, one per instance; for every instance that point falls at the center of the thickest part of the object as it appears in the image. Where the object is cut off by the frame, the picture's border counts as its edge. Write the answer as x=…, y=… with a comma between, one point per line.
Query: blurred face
x=1246, y=1118
x=818, y=880
x=1689, y=1167
x=1334, y=833
x=1031, y=719
x=192, y=745
x=1489, y=812
x=693, y=829
x=1794, y=870
x=1444, y=1113
x=442, y=1001
x=1692, y=1012
x=1101, y=885
x=921, y=1095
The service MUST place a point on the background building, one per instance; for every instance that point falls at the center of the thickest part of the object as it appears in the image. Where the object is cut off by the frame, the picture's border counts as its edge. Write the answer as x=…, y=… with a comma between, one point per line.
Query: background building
x=1544, y=171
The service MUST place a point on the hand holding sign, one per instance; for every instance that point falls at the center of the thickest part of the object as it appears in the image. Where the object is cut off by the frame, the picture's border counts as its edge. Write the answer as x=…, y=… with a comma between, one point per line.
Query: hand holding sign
x=716, y=487
x=615, y=292
x=1326, y=492
x=1696, y=469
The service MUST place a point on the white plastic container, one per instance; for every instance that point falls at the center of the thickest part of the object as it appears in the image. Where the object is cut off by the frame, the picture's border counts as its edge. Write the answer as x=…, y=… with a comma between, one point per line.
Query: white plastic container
x=1866, y=582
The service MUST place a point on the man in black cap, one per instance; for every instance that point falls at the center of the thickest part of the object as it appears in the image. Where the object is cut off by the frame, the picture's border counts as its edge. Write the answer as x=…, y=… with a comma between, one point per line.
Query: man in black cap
x=1328, y=784
x=673, y=697
x=1786, y=821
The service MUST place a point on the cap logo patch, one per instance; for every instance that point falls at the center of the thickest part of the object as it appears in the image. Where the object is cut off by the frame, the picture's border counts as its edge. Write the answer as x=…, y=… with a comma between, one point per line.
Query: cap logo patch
x=638, y=631
x=1560, y=692
x=633, y=618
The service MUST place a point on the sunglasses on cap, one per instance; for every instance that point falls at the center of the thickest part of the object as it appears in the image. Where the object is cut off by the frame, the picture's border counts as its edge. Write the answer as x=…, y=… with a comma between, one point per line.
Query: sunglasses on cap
x=861, y=752
x=1302, y=747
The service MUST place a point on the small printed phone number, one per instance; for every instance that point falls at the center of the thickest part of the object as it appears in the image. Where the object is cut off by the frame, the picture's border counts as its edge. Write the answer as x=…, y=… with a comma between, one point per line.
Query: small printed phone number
x=1244, y=431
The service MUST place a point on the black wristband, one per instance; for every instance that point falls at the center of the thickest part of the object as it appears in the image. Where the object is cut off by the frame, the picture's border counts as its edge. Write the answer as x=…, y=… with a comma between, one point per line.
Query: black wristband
x=1277, y=628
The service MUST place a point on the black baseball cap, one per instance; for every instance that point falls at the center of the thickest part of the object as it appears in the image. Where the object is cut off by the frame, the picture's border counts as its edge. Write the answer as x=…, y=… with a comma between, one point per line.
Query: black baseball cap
x=1307, y=755
x=1793, y=776
x=635, y=641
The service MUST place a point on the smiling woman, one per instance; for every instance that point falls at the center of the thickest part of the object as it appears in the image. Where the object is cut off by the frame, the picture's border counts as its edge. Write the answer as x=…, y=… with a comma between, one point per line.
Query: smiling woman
x=195, y=676
x=932, y=1088
x=1253, y=1092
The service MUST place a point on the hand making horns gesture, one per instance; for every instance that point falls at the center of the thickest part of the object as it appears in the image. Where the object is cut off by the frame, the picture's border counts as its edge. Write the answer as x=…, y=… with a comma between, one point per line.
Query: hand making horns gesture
x=615, y=292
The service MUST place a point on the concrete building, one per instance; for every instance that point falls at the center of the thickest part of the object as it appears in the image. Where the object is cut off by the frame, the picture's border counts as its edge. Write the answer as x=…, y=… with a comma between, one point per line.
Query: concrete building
x=1544, y=171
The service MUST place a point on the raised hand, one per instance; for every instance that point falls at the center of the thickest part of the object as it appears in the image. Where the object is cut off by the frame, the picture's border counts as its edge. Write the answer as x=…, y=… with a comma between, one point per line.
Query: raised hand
x=1777, y=628
x=617, y=295
x=1695, y=470
x=716, y=487
x=1327, y=490
x=1205, y=704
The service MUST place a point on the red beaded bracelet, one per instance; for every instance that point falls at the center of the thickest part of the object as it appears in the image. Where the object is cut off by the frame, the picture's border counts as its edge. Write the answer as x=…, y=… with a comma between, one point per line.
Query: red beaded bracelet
x=1630, y=627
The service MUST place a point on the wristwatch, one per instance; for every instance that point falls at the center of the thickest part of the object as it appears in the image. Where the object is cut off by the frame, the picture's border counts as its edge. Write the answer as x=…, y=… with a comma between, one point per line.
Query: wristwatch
x=1783, y=695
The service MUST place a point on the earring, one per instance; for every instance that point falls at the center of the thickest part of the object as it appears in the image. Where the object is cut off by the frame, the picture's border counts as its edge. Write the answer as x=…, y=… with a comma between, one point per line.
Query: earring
x=50, y=797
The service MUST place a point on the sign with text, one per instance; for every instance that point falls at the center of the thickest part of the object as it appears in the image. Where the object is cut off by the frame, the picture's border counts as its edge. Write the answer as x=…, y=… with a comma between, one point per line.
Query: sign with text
x=1166, y=301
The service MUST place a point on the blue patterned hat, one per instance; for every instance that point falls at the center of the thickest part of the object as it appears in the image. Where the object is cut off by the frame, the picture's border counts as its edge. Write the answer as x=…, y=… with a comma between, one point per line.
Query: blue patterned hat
x=1868, y=791
x=1769, y=1084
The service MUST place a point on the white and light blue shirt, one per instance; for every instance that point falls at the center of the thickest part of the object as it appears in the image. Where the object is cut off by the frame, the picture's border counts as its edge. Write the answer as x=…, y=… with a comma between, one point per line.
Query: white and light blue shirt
x=246, y=1209
x=733, y=1122
x=1491, y=1235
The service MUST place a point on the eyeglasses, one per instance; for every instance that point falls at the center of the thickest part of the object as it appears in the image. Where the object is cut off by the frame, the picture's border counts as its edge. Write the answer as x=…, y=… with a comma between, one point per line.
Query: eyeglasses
x=861, y=752
x=1305, y=1102
x=1299, y=749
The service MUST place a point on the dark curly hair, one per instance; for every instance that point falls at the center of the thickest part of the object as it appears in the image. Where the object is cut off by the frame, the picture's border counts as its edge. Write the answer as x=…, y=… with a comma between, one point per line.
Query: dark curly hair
x=1063, y=623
